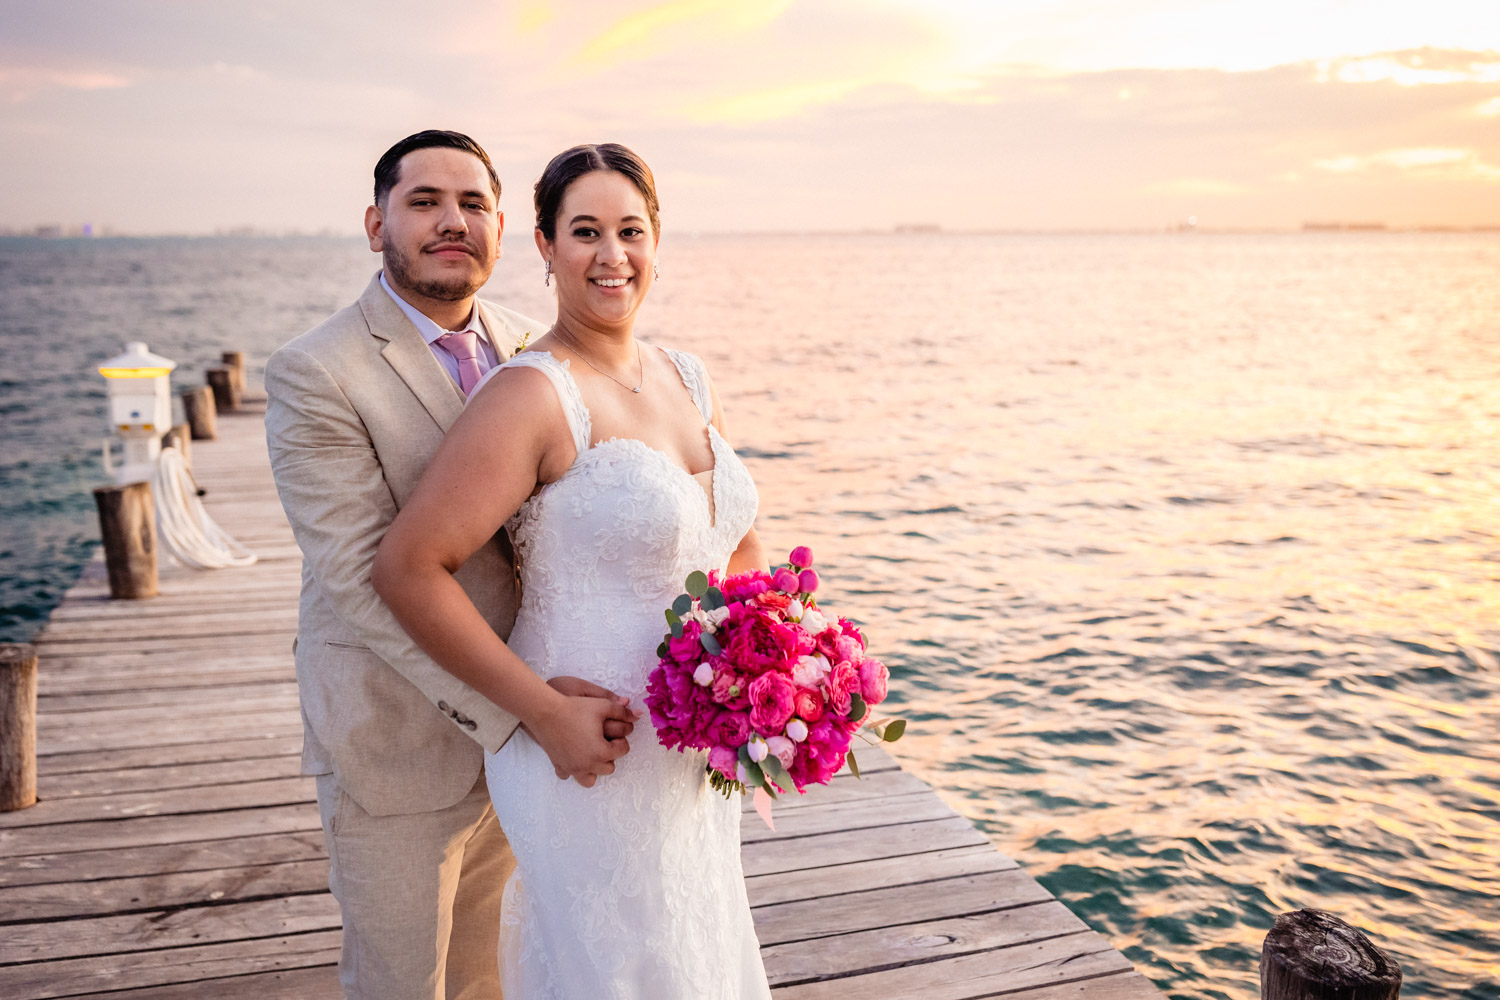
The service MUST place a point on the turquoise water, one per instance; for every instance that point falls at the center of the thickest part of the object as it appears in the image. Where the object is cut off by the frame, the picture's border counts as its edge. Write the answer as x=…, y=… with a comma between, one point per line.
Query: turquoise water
x=1183, y=549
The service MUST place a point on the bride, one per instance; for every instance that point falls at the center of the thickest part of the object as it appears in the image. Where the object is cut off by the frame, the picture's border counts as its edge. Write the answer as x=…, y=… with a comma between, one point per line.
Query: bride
x=608, y=462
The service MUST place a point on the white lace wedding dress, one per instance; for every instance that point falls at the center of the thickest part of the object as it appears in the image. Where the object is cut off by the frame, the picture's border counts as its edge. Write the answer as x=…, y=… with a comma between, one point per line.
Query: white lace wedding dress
x=632, y=889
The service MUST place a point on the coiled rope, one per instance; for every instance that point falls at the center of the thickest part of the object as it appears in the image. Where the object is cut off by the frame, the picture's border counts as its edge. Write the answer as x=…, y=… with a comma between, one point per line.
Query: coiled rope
x=183, y=526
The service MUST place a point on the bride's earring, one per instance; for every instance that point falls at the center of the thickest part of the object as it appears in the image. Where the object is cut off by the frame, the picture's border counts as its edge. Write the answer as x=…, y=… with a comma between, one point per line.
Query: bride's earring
x=655, y=270
x=547, y=275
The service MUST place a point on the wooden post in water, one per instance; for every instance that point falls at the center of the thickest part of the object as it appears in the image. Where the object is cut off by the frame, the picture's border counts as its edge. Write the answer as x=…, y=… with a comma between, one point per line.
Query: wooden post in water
x=226, y=392
x=198, y=407
x=179, y=437
x=17, y=727
x=235, y=362
x=1313, y=955
x=127, y=523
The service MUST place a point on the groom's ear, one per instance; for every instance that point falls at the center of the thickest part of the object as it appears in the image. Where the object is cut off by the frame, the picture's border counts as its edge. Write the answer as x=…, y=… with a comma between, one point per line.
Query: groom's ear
x=374, y=227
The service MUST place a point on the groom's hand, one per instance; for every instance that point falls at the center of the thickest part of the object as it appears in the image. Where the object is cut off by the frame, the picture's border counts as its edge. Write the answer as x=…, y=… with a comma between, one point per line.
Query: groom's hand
x=577, y=687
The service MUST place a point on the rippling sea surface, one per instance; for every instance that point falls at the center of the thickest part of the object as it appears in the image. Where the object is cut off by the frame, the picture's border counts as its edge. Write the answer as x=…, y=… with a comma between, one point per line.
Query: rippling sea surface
x=1184, y=550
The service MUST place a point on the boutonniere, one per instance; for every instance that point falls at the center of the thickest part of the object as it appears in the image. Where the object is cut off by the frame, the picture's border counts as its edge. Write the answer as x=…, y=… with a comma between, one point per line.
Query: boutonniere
x=525, y=339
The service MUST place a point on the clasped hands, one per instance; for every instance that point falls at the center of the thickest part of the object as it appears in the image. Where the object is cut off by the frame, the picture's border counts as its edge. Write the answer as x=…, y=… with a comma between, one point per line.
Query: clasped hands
x=585, y=731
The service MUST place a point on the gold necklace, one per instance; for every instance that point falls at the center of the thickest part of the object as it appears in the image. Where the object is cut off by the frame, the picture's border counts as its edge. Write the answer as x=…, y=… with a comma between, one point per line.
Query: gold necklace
x=568, y=343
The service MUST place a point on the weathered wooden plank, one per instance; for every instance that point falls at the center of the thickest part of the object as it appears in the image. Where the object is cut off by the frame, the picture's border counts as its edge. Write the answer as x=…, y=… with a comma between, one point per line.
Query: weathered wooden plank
x=168, y=928
x=59, y=900
x=283, y=689
x=856, y=876
x=278, y=791
x=963, y=896
x=272, y=705
x=73, y=977
x=912, y=943
x=169, y=732
x=822, y=850
x=318, y=983
x=126, y=862
x=119, y=833
x=1118, y=986
x=80, y=761
x=894, y=810
x=1050, y=962
x=168, y=777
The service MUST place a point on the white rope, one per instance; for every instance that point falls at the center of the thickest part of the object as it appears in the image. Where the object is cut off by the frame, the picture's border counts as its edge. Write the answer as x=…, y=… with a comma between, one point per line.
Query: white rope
x=184, y=527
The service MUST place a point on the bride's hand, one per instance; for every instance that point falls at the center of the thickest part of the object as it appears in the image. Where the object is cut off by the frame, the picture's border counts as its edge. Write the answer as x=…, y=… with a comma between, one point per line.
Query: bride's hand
x=614, y=729
x=571, y=732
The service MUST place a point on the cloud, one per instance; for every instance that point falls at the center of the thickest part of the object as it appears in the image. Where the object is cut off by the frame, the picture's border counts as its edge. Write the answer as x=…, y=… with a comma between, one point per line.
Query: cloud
x=1428, y=161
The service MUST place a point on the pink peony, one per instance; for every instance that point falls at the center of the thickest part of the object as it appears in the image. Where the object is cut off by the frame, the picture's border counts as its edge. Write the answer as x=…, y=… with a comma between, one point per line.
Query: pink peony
x=843, y=681
x=846, y=648
x=731, y=730
x=731, y=689
x=807, y=580
x=801, y=557
x=688, y=649
x=852, y=631
x=723, y=760
x=773, y=601
x=786, y=581
x=807, y=705
x=743, y=586
x=771, y=696
x=873, y=678
x=782, y=749
x=761, y=643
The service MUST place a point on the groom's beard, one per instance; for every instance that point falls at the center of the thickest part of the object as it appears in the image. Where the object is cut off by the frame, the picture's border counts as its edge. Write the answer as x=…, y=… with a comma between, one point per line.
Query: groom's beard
x=398, y=267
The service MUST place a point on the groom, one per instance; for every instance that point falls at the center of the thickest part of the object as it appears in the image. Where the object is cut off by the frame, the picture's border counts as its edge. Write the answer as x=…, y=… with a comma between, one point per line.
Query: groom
x=356, y=408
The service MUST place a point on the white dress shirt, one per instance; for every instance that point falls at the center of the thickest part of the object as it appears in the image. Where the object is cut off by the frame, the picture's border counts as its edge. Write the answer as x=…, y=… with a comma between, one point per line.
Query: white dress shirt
x=430, y=332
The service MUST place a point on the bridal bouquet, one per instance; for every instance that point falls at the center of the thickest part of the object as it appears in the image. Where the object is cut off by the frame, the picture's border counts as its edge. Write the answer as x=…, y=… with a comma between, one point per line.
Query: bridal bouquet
x=770, y=684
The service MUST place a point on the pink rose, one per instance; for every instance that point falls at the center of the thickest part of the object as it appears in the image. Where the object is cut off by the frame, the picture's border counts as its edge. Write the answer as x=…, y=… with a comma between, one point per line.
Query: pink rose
x=847, y=649
x=771, y=697
x=772, y=601
x=842, y=683
x=801, y=557
x=807, y=705
x=873, y=678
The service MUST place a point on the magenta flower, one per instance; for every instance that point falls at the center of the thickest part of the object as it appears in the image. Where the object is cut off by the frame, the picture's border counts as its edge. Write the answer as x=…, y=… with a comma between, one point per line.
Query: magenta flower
x=771, y=698
x=761, y=643
x=808, y=580
x=801, y=557
x=723, y=760
x=843, y=682
x=786, y=580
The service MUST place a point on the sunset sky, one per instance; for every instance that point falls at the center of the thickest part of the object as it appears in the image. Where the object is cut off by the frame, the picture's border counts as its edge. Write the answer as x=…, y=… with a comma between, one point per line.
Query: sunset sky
x=152, y=116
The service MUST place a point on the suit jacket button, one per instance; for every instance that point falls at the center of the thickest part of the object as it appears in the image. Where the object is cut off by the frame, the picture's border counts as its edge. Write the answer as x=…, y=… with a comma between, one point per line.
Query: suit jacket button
x=470, y=725
x=443, y=707
x=460, y=719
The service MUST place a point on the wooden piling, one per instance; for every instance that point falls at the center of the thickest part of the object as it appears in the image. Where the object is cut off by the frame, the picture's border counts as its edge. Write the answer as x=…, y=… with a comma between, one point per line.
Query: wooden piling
x=127, y=525
x=17, y=727
x=235, y=362
x=1313, y=955
x=198, y=407
x=226, y=391
x=179, y=437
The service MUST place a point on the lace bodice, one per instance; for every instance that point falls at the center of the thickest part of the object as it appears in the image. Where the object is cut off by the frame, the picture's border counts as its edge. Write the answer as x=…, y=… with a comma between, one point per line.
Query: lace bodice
x=631, y=889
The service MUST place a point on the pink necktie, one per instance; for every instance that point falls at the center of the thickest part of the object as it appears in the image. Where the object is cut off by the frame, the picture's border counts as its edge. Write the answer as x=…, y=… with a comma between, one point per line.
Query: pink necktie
x=465, y=350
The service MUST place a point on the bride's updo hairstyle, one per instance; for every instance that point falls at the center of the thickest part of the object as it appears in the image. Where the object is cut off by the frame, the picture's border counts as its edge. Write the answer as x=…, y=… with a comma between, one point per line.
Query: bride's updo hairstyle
x=571, y=164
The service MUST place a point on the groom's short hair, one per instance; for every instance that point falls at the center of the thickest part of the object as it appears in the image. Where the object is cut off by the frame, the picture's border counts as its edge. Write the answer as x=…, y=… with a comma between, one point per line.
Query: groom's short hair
x=388, y=167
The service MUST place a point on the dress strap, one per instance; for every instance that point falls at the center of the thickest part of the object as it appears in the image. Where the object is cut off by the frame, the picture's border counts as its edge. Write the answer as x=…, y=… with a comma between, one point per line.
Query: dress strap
x=574, y=410
x=695, y=377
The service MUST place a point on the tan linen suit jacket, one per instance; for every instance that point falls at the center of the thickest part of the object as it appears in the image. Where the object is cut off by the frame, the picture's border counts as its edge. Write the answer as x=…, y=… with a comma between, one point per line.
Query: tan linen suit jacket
x=356, y=408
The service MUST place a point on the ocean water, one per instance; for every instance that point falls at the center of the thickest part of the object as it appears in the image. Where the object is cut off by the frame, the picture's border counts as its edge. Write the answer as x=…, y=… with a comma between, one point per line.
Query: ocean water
x=1184, y=550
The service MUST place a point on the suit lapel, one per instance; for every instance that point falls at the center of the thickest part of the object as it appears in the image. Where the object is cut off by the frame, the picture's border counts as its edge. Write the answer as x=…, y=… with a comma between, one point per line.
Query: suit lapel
x=505, y=339
x=410, y=357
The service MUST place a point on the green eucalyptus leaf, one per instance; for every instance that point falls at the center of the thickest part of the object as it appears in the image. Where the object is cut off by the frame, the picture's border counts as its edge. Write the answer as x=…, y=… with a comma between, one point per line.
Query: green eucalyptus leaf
x=853, y=764
x=772, y=766
x=857, y=707
x=878, y=728
x=677, y=629
x=697, y=583
x=710, y=644
x=683, y=604
x=769, y=790
x=661, y=650
x=757, y=776
x=894, y=731
x=713, y=599
x=672, y=618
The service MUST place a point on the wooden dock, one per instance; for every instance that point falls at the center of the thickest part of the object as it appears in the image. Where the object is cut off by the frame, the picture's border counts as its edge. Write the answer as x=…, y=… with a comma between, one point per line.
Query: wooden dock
x=175, y=851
